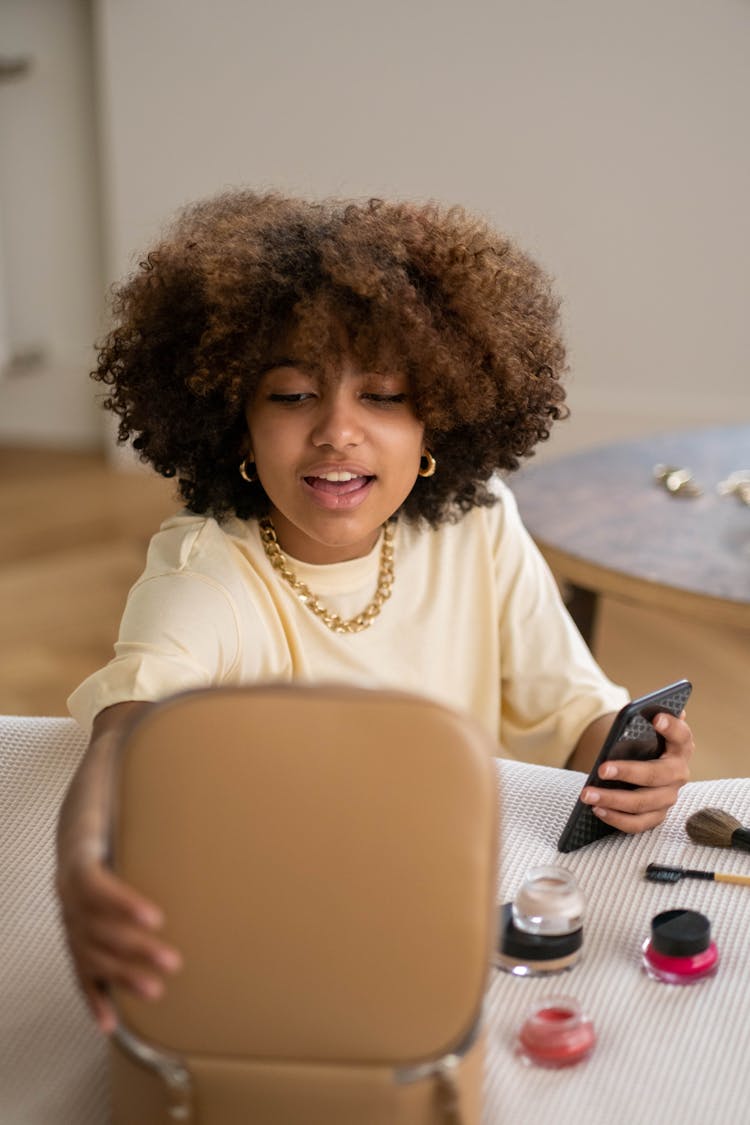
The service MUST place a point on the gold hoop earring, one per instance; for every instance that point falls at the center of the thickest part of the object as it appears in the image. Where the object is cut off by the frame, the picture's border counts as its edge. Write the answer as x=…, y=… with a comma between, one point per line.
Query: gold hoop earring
x=427, y=464
x=247, y=470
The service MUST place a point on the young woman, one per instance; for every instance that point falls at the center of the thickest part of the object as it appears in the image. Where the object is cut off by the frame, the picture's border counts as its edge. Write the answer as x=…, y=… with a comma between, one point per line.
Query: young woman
x=337, y=387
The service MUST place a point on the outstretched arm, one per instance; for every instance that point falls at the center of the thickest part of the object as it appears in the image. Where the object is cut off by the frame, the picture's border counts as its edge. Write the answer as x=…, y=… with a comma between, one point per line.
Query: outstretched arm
x=112, y=930
x=659, y=781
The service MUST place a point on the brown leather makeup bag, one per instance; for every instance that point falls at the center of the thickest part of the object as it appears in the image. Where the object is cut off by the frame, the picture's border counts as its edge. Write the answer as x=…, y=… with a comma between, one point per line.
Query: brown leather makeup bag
x=325, y=857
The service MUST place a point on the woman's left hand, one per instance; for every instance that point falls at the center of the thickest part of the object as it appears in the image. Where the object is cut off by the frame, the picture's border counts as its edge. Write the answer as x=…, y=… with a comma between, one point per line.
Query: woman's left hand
x=659, y=781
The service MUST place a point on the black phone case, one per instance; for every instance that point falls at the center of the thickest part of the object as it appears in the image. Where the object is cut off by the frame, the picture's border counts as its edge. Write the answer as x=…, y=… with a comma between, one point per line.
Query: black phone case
x=632, y=725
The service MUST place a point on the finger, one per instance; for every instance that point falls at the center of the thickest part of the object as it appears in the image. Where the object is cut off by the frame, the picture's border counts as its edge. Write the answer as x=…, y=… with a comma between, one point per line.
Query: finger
x=629, y=823
x=667, y=770
x=100, y=890
x=98, y=958
x=101, y=968
x=101, y=1007
x=670, y=769
x=132, y=943
x=632, y=802
x=677, y=734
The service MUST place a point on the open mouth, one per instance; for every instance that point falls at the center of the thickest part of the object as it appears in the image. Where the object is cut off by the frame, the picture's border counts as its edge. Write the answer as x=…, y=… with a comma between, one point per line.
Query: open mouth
x=338, y=483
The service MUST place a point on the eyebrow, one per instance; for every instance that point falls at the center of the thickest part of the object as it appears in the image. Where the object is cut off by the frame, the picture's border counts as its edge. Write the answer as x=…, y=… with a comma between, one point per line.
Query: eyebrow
x=284, y=361
x=309, y=370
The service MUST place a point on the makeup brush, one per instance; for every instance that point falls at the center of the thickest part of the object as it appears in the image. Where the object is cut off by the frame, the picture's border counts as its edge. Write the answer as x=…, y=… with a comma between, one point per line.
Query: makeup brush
x=718, y=829
x=660, y=873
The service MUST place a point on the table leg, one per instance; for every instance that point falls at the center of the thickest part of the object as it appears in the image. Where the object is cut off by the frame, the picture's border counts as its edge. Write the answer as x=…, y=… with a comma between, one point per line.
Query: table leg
x=582, y=607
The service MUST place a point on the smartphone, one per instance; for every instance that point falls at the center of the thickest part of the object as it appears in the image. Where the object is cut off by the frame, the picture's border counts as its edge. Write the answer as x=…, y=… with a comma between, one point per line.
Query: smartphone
x=633, y=736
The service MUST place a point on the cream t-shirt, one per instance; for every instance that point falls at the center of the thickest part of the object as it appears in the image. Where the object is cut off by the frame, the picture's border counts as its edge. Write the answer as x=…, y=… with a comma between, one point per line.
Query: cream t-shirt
x=474, y=621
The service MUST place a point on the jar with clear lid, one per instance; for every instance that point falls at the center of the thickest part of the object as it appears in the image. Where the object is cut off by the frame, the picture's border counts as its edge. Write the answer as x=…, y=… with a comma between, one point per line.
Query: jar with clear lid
x=541, y=930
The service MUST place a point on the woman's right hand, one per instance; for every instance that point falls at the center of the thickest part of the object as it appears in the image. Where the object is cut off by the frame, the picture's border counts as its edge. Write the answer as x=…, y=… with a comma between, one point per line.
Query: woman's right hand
x=113, y=937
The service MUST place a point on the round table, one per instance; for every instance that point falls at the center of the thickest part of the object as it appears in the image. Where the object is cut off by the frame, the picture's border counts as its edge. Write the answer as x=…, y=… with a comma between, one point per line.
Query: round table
x=606, y=526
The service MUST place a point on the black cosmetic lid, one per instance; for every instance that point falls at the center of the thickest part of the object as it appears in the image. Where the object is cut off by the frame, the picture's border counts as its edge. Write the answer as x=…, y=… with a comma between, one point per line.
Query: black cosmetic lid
x=534, y=947
x=680, y=933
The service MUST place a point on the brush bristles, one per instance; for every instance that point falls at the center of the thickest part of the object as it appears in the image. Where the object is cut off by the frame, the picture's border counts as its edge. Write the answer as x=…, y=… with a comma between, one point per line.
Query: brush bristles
x=713, y=827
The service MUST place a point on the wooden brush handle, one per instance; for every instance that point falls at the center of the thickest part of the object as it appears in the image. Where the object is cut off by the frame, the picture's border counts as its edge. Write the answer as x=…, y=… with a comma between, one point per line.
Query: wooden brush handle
x=743, y=879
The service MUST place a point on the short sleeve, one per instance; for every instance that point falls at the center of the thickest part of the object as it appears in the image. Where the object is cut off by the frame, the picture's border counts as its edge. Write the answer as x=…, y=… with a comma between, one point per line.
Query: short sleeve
x=179, y=631
x=551, y=686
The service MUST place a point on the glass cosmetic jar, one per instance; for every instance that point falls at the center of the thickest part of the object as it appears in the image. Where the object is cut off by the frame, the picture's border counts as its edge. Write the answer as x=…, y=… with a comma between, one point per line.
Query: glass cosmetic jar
x=541, y=931
x=680, y=949
x=556, y=1033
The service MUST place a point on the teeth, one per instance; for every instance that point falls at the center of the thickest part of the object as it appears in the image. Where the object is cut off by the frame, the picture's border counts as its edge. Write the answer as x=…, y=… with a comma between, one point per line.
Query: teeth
x=338, y=476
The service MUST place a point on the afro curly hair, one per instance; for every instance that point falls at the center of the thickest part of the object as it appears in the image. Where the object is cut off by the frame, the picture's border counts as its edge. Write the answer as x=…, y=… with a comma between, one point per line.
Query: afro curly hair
x=429, y=291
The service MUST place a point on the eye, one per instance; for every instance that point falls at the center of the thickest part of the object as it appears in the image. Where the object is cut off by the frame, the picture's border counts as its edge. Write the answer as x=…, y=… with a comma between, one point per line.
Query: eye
x=291, y=399
x=385, y=400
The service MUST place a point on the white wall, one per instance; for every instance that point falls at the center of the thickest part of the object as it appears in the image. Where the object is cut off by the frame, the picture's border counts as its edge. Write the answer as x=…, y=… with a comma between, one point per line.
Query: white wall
x=49, y=225
x=610, y=138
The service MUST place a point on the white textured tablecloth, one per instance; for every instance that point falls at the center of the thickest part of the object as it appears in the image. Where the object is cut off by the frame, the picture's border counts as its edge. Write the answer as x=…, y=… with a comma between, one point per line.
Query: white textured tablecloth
x=52, y=1059
x=665, y=1053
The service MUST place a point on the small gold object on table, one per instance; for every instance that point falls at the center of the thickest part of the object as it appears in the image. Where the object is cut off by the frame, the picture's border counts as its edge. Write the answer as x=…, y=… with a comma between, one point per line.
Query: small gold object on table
x=736, y=484
x=677, y=480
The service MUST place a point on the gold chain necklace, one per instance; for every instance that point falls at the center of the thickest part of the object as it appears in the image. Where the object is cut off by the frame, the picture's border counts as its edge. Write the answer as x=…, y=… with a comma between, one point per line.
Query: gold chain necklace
x=332, y=620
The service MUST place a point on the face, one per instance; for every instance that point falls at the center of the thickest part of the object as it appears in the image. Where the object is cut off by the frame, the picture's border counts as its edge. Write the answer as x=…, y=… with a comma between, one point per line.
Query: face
x=336, y=459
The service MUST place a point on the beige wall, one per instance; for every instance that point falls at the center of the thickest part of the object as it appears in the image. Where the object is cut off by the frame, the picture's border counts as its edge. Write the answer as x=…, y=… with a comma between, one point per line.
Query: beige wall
x=609, y=138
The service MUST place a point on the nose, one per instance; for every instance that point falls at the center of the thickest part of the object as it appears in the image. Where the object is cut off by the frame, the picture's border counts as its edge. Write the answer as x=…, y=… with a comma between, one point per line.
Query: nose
x=337, y=423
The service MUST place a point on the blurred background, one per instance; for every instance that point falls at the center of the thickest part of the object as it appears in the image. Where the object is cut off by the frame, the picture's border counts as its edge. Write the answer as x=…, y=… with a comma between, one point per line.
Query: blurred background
x=610, y=139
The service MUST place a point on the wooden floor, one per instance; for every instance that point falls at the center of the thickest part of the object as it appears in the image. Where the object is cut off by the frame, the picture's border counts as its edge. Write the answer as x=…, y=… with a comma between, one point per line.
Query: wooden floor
x=73, y=540
x=74, y=535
